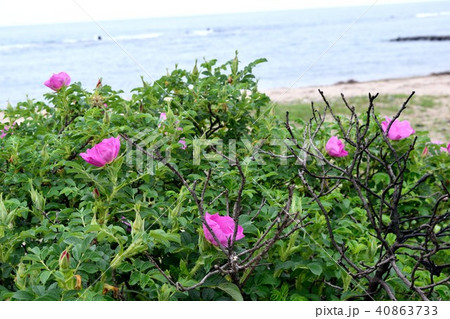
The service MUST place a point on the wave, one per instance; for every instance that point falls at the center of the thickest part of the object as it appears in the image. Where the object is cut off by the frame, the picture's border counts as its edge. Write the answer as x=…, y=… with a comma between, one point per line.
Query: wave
x=34, y=45
x=432, y=14
x=18, y=46
x=72, y=41
x=201, y=33
x=142, y=36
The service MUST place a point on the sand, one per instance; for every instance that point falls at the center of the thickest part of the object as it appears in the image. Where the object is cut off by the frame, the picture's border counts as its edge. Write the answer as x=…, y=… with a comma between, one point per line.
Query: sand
x=435, y=119
x=434, y=85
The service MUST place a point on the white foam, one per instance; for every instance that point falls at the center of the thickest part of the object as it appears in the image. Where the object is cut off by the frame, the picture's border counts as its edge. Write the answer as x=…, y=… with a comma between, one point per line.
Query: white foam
x=70, y=41
x=432, y=14
x=202, y=33
x=17, y=46
x=138, y=36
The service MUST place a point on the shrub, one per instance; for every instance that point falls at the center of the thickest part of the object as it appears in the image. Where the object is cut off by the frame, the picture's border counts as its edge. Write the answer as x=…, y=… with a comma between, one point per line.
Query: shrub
x=129, y=223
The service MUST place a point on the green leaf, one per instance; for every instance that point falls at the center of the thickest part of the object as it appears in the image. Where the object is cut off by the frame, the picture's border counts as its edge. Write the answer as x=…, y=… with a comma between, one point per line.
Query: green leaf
x=44, y=276
x=23, y=295
x=134, y=278
x=59, y=276
x=47, y=297
x=315, y=268
x=162, y=237
x=232, y=290
x=32, y=258
x=381, y=177
x=89, y=268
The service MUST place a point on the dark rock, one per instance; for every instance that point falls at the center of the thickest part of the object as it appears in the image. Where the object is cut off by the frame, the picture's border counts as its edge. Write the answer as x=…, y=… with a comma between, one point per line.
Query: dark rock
x=423, y=38
x=440, y=73
x=351, y=81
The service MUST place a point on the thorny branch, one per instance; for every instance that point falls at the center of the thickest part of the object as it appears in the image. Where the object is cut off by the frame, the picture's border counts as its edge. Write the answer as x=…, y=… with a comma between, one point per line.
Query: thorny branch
x=245, y=261
x=417, y=235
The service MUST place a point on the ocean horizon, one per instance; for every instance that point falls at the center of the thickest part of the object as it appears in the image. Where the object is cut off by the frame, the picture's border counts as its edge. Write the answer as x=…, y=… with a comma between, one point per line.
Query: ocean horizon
x=303, y=47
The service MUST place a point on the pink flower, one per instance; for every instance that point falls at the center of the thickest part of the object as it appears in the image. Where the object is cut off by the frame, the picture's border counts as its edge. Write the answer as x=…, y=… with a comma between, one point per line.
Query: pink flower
x=124, y=221
x=436, y=142
x=335, y=147
x=442, y=149
x=102, y=153
x=5, y=130
x=398, y=130
x=223, y=228
x=162, y=118
x=178, y=128
x=183, y=144
x=57, y=81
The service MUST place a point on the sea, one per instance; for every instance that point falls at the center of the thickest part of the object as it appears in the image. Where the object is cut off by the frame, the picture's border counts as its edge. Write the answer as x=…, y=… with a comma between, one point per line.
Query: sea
x=304, y=47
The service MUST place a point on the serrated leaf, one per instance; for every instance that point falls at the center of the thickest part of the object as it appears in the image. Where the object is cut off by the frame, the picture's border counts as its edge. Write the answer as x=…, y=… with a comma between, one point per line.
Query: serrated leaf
x=89, y=268
x=164, y=238
x=134, y=278
x=23, y=295
x=315, y=268
x=44, y=276
x=59, y=276
x=232, y=290
x=32, y=258
x=47, y=297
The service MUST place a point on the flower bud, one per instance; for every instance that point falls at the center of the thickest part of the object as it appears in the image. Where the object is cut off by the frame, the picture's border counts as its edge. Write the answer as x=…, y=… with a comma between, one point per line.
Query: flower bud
x=3, y=212
x=99, y=83
x=37, y=198
x=64, y=260
x=21, y=277
x=106, y=118
x=234, y=66
x=124, y=221
x=96, y=193
x=138, y=225
x=195, y=69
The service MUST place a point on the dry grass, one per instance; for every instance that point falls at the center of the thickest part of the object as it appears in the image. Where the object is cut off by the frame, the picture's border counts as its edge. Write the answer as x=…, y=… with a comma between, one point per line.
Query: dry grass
x=426, y=113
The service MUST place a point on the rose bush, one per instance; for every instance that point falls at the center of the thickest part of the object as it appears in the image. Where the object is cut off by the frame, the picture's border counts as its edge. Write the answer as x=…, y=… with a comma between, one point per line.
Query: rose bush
x=134, y=224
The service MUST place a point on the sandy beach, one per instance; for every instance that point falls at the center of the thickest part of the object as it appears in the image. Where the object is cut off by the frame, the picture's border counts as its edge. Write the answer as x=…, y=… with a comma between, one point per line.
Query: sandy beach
x=434, y=85
x=435, y=88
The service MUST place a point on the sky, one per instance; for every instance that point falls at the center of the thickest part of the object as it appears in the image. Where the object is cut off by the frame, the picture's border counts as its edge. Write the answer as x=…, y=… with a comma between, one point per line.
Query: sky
x=26, y=12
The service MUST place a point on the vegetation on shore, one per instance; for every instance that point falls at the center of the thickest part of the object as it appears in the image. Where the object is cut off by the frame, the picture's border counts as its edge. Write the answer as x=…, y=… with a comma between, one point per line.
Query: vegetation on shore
x=194, y=190
x=423, y=111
